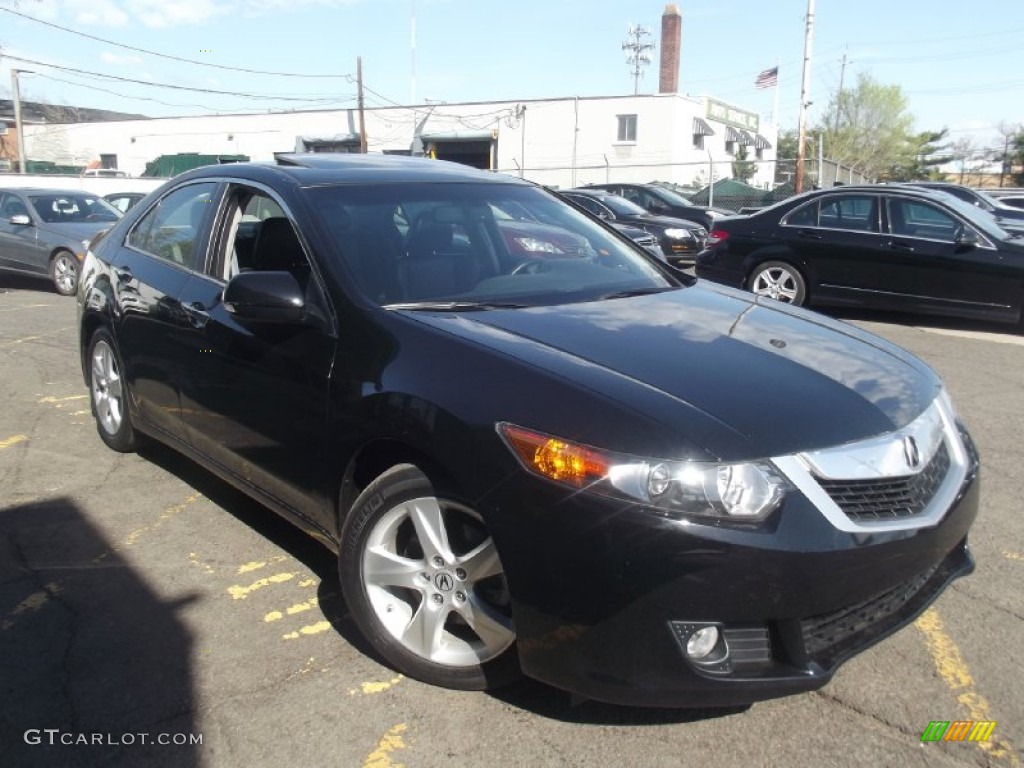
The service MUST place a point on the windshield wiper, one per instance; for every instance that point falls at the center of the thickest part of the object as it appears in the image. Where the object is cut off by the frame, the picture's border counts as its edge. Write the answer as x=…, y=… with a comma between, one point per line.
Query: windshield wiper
x=455, y=306
x=627, y=294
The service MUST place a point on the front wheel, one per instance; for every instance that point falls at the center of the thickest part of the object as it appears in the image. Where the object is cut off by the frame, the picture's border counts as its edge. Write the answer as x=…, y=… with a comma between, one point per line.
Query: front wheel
x=778, y=280
x=424, y=583
x=64, y=273
x=109, y=395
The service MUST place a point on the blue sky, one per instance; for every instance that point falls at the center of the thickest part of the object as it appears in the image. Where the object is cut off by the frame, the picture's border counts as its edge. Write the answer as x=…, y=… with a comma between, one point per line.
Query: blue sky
x=961, y=63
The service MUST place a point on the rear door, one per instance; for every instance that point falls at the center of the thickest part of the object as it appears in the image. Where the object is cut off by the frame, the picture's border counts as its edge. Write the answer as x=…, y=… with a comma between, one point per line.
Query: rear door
x=254, y=395
x=839, y=239
x=157, y=258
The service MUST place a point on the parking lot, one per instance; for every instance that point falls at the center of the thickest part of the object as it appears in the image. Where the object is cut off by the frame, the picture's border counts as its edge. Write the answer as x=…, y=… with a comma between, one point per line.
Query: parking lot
x=142, y=600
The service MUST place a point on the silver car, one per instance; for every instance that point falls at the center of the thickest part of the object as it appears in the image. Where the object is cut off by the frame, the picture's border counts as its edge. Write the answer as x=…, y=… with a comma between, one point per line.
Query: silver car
x=47, y=231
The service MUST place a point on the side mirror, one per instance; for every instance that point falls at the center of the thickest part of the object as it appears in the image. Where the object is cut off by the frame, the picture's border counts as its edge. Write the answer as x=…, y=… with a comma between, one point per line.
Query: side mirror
x=966, y=239
x=21, y=219
x=268, y=297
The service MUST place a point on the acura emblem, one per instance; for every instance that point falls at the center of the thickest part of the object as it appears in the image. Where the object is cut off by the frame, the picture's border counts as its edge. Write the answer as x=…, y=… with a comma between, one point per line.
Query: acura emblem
x=443, y=581
x=911, y=453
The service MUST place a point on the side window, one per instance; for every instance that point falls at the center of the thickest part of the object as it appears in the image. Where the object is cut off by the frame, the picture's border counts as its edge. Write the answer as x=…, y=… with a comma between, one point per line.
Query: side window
x=627, y=128
x=586, y=203
x=914, y=218
x=171, y=231
x=850, y=212
x=259, y=236
x=633, y=195
x=805, y=216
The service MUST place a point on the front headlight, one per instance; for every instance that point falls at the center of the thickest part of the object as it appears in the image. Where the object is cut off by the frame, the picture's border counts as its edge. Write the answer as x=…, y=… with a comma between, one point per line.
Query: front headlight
x=679, y=234
x=533, y=245
x=742, y=492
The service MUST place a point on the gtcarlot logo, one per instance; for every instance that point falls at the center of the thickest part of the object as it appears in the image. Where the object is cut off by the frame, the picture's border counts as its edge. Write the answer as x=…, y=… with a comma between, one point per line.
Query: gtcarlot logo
x=54, y=736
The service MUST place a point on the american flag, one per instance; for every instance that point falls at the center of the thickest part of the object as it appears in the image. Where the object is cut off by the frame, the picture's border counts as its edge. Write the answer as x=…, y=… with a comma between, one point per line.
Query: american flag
x=767, y=79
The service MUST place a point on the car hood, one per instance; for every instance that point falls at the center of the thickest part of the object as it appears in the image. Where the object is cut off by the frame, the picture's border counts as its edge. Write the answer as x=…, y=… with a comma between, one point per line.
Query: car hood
x=77, y=231
x=777, y=380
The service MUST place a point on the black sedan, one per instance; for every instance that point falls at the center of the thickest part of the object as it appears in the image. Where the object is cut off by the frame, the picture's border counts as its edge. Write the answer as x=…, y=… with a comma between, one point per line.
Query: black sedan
x=665, y=202
x=1013, y=215
x=680, y=240
x=590, y=469
x=889, y=247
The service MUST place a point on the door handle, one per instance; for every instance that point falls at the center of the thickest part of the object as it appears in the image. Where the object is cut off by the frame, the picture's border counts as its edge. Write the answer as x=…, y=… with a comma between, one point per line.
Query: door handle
x=809, y=234
x=197, y=313
x=901, y=247
x=123, y=274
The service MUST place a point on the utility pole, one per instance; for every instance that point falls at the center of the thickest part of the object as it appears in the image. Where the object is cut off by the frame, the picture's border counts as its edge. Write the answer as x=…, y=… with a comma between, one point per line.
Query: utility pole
x=801, y=146
x=636, y=55
x=362, y=117
x=839, y=102
x=19, y=128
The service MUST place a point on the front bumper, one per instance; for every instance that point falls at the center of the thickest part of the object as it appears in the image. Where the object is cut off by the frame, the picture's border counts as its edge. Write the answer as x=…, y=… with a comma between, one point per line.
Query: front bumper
x=603, y=592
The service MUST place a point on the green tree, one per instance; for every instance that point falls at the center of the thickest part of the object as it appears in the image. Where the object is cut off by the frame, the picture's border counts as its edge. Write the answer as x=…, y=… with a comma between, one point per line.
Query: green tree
x=743, y=169
x=924, y=153
x=785, y=155
x=1016, y=158
x=869, y=129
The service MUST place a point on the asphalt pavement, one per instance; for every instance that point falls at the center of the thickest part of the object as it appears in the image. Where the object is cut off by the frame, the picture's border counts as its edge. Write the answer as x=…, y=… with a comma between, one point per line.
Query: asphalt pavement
x=152, y=615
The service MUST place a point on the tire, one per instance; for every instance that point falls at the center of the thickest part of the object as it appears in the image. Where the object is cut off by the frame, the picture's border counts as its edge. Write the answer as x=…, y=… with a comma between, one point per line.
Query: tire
x=778, y=280
x=108, y=394
x=424, y=584
x=64, y=273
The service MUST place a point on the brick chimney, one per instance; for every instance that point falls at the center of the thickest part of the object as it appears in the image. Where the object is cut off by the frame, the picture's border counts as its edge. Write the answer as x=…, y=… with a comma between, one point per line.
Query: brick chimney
x=671, y=35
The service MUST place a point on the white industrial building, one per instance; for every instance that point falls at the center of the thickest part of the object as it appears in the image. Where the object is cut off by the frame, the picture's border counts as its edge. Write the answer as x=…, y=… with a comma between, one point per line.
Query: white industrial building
x=559, y=142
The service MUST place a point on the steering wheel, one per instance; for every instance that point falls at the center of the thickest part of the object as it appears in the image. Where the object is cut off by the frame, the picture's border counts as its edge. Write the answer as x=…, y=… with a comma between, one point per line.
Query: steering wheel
x=531, y=267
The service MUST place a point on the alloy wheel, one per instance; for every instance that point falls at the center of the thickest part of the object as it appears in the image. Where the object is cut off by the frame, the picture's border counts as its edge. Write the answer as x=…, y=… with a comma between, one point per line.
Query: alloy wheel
x=107, y=391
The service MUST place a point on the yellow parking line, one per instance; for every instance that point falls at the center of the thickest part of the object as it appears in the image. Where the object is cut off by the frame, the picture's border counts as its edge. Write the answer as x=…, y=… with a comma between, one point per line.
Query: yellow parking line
x=952, y=668
x=25, y=306
x=1013, y=555
x=239, y=592
x=291, y=610
x=33, y=602
x=34, y=338
x=378, y=687
x=12, y=441
x=311, y=629
x=60, y=399
x=389, y=743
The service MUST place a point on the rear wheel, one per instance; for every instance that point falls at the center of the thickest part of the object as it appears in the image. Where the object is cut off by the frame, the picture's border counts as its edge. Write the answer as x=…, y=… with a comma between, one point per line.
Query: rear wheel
x=423, y=581
x=778, y=280
x=64, y=272
x=109, y=395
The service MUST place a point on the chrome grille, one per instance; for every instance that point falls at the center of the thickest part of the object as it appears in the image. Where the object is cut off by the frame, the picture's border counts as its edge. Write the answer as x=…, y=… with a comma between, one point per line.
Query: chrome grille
x=889, y=498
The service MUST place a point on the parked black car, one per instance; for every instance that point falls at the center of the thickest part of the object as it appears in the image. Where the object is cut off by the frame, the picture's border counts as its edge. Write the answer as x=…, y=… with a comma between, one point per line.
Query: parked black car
x=890, y=247
x=591, y=469
x=680, y=240
x=977, y=198
x=665, y=202
x=45, y=232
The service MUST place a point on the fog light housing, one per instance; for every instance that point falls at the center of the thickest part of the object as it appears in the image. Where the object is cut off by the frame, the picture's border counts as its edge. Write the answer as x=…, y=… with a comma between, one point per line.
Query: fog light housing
x=702, y=643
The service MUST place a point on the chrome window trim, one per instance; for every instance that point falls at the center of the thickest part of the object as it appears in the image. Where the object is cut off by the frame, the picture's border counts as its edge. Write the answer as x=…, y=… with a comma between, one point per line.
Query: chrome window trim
x=937, y=423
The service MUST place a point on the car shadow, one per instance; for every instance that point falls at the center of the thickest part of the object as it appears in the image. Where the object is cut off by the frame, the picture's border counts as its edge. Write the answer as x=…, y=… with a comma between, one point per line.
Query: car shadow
x=18, y=282
x=913, y=320
x=89, y=649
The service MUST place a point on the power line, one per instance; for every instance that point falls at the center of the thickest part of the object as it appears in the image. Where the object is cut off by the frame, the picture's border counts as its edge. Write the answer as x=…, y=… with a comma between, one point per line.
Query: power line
x=308, y=98
x=168, y=56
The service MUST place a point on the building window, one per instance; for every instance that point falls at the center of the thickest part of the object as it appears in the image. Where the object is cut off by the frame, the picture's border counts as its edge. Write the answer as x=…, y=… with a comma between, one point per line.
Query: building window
x=108, y=161
x=698, y=141
x=730, y=147
x=627, y=128
x=759, y=153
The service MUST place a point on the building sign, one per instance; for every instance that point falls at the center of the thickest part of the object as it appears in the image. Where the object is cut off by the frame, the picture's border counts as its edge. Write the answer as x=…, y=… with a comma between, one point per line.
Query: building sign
x=738, y=118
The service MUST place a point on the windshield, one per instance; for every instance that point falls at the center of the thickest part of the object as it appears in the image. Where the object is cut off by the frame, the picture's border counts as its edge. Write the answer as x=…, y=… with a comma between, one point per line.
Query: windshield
x=477, y=245
x=622, y=207
x=670, y=196
x=61, y=208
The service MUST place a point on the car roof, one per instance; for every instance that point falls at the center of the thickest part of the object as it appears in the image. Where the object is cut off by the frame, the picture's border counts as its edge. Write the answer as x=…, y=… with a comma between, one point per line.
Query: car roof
x=48, y=191
x=313, y=169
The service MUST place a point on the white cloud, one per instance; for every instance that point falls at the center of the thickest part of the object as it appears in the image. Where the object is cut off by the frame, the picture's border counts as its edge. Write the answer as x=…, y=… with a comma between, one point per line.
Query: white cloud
x=96, y=13
x=171, y=13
